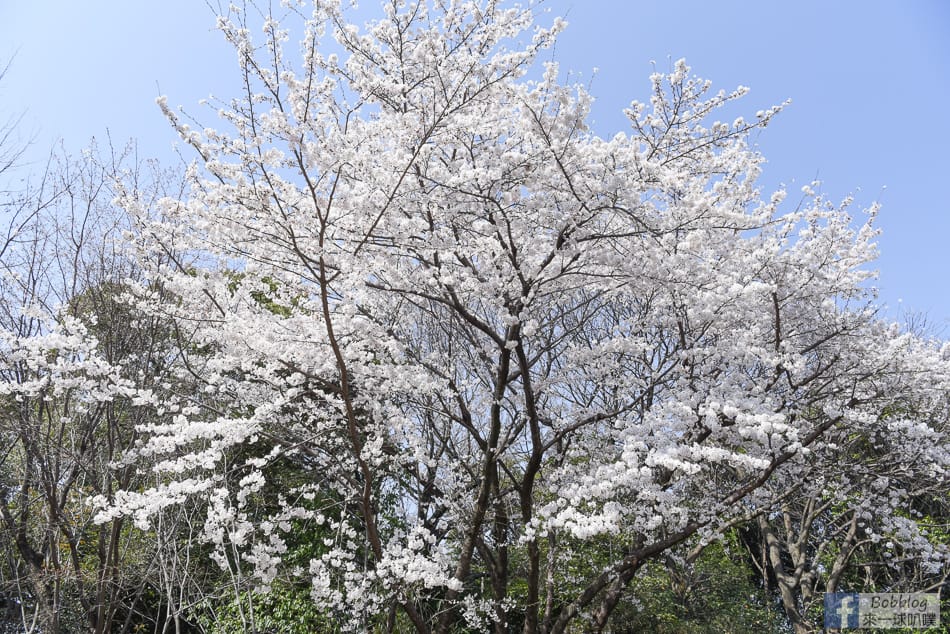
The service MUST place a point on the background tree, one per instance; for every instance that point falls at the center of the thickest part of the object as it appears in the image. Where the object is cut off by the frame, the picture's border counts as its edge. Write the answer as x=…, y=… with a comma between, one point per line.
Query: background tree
x=75, y=366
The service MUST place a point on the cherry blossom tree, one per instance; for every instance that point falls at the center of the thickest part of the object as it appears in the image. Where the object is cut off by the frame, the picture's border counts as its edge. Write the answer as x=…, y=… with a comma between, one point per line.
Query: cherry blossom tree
x=489, y=338
x=869, y=516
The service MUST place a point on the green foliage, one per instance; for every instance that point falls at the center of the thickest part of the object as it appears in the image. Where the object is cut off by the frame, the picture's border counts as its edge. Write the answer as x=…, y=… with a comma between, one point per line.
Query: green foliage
x=713, y=595
x=286, y=609
x=267, y=299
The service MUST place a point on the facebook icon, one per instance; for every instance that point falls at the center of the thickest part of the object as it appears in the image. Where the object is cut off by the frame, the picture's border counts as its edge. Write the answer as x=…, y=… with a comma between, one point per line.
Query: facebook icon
x=841, y=610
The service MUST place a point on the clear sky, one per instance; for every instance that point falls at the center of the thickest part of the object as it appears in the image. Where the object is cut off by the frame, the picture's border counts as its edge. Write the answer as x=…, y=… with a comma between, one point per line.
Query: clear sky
x=869, y=82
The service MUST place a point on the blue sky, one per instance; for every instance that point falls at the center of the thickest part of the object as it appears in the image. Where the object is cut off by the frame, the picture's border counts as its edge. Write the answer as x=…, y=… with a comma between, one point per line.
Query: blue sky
x=869, y=82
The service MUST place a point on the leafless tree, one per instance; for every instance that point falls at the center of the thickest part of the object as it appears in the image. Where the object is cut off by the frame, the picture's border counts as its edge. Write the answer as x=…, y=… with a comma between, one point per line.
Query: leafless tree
x=63, y=268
